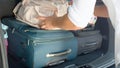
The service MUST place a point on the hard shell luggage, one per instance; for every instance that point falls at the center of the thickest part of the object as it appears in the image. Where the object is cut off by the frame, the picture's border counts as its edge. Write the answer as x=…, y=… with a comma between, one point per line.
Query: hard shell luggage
x=39, y=48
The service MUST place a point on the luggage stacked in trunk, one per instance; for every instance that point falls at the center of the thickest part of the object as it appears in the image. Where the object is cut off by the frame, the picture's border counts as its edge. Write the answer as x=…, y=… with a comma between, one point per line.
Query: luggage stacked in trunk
x=40, y=48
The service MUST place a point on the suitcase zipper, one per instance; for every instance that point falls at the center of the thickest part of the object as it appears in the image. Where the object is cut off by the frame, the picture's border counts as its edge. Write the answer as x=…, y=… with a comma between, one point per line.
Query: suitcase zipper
x=38, y=30
x=37, y=41
x=49, y=40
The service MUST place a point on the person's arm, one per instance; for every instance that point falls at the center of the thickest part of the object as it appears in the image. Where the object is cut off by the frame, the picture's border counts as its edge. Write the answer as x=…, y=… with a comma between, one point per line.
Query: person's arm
x=101, y=11
x=53, y=23
x=79, y=14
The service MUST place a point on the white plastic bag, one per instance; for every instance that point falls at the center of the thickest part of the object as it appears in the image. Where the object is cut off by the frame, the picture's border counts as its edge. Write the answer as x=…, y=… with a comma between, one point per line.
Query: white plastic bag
x=28, y=11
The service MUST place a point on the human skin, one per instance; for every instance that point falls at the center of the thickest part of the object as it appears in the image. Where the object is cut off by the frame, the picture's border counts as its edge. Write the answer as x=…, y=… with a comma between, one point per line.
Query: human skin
x=64, y=22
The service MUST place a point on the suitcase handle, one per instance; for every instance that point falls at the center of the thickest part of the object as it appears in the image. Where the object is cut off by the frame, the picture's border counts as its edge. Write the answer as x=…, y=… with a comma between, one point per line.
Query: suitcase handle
x=59, y=54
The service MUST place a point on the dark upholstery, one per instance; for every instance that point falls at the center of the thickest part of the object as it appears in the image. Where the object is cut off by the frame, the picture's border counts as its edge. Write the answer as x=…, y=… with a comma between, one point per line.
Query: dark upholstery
x=7, y=6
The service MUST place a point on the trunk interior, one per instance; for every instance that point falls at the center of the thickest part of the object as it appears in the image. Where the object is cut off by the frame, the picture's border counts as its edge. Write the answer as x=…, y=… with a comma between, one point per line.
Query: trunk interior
x=101, y=58
x=97, y=58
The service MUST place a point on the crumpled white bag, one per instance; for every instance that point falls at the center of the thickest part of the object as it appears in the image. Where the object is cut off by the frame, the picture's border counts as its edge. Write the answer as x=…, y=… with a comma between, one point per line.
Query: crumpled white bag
x=28, y=11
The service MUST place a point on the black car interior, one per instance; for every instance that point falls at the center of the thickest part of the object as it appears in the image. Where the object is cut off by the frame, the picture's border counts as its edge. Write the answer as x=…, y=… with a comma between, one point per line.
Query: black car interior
x=91, y=60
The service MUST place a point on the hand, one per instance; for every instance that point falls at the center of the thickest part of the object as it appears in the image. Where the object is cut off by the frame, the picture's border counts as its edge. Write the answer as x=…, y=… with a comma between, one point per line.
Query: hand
x=48, y=23
x=53, y=22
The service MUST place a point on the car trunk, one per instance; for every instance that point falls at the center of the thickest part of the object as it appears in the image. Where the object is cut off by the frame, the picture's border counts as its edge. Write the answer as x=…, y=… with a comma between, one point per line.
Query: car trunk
x=101, y=58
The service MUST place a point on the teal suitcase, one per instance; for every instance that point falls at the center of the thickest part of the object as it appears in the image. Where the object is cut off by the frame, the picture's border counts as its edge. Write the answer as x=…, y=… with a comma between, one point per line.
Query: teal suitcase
x=39, y=48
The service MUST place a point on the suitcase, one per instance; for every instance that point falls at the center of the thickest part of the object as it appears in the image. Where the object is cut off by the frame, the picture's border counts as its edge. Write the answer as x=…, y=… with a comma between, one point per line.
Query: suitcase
x=39, y=48
x=89, y=40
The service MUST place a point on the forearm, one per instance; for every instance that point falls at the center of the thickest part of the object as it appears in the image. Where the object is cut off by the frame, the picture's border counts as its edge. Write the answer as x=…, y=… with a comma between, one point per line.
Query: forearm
x=65, y=23
x=101, y=11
